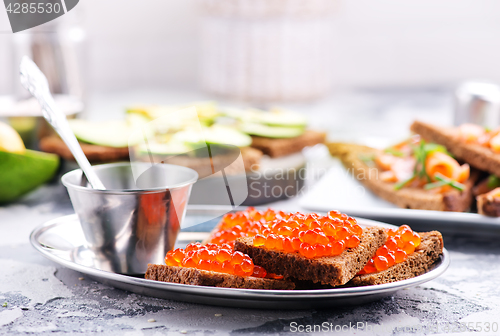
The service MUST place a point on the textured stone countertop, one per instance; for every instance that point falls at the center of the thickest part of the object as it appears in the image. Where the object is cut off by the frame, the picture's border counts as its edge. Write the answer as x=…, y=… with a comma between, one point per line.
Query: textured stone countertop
x=40, y=297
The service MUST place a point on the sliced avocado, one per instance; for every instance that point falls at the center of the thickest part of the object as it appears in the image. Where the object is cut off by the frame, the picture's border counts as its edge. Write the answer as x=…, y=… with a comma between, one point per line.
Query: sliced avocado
x=224, y=135
x=271, y=131
x=216, y=134
x=21, y=173
x=274, y=117
x=136, y=119
x=207, y=110
x=172, y=148
x=278, y=117
x=115, y=133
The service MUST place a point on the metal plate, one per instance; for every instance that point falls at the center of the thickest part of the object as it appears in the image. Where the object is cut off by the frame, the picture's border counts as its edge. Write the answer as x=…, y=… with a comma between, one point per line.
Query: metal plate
x=58, y=240
x=351, y=197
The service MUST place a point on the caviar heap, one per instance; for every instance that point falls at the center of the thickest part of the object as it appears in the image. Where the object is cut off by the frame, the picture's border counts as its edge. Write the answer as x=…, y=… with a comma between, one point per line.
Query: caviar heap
x=396, y=249
x=245, y=223
x=216, y=258
x=311, y=235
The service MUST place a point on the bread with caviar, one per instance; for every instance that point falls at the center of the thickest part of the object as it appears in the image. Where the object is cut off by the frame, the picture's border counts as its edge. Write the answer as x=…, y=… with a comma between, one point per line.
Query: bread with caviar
x=331, y=270
x=477, y=156
x=417, y=263
x=353, y=157
x=276, y=147
x=193, y=276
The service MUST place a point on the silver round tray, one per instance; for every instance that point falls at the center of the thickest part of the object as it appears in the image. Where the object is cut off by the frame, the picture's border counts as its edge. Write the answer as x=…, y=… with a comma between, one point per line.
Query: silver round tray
x=61, y=240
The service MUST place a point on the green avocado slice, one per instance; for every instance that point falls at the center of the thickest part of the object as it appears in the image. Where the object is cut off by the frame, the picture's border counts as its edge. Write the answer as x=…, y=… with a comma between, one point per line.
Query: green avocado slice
x=116, y=133
x=274, y=117
x=271, y=131
x=223, y=135
x=21, y=173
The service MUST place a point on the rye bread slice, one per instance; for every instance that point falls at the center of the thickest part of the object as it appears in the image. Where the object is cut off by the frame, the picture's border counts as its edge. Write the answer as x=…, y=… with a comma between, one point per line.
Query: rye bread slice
x=95, y=153
x=193, y=276
x=101, y=154
x=475, y=155
x=408, y=198
x=334, y=271
x=488, y=205
x=417, y=263
x=280, y=147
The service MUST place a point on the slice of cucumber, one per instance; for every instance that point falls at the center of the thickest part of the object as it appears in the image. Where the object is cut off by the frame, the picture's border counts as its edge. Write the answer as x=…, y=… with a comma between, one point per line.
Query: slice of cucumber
x=271, y=131
x=117, y=133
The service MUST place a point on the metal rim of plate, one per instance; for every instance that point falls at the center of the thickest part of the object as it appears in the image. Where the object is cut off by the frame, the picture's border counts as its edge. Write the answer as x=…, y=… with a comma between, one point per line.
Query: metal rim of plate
x=233, y=297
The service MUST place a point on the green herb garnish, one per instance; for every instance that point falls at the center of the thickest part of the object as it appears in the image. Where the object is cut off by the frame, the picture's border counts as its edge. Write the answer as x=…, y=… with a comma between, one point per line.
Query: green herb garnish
x=4, y=304
x=443, y=180
x=368, y=159
x=394, y=152
x=493, y=182
x=420, y=152
x=401, y=184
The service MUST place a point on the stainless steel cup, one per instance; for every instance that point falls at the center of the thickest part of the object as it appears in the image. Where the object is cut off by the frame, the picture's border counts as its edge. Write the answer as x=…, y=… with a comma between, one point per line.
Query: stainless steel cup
x=135, y=221
x=478, y=103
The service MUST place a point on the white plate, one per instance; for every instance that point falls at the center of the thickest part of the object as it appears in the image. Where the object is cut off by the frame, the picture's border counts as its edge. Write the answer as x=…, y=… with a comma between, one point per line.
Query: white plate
x=59, y=239
x=337, y=189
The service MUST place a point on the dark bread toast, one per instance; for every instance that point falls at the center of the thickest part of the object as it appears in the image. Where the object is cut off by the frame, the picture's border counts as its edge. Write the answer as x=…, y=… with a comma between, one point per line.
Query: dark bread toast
x=204, y=166
x=193, y=276
x=276, y=147
x=417, y=263
x=475, y=155
x=95, y=153
x=488, y=205
x=407, y=198
x=101, y=154
x=334, y=271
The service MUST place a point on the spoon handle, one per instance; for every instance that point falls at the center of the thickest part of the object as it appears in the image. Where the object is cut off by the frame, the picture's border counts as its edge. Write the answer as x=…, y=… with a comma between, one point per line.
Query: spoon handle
x=36, y=83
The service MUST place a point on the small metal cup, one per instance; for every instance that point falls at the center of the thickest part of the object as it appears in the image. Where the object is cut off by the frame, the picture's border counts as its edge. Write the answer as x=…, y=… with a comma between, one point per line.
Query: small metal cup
x=134, y=221
x=478, y=103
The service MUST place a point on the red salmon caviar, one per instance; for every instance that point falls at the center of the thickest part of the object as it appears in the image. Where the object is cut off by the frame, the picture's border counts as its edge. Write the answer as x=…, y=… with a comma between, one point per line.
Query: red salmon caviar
x=310, y=235
x=212, y=257
x=259, y=272
x=401, y=243
x=325, y=235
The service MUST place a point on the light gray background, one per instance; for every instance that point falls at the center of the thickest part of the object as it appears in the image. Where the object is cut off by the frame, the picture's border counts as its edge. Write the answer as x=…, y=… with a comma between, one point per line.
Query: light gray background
x=154, y=43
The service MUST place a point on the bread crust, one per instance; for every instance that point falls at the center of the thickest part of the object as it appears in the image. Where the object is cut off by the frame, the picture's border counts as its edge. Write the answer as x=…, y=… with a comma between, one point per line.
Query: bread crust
x=333, y=271
x=285, y=146
x=488, y=206
x=407, y=198
x=94, y=153
x=101, y=154
x=417, y=263
x=193, y=276
x=476, y=155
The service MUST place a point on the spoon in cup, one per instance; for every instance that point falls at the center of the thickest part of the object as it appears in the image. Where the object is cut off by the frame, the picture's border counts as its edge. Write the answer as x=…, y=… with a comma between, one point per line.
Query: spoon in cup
x=36, y=83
